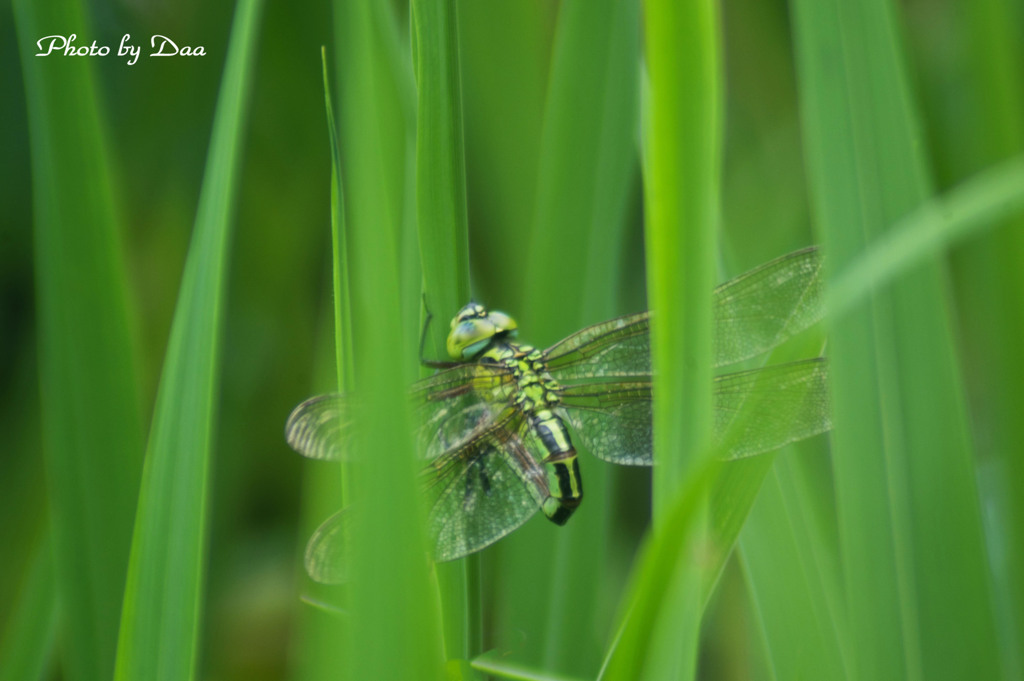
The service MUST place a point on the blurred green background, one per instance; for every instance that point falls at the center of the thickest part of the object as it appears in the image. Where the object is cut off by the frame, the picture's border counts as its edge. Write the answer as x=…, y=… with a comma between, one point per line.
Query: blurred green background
x=966, y=79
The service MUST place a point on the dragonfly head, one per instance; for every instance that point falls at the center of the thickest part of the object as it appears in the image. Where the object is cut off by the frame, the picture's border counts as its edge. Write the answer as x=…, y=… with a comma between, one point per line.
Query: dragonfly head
x=474, y=327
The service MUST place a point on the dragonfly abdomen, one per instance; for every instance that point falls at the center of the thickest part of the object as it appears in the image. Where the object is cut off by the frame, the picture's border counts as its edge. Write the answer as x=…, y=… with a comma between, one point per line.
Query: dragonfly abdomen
x=565, y=485
x=564, y=482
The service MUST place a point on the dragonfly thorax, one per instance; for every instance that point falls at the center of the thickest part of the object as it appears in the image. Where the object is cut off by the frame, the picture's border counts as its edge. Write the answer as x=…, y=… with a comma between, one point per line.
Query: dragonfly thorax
x=473, y=329
x=535, y=388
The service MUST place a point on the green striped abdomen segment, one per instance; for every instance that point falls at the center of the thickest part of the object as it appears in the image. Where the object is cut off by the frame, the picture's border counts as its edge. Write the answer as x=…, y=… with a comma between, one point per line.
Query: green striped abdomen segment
x=564, y=482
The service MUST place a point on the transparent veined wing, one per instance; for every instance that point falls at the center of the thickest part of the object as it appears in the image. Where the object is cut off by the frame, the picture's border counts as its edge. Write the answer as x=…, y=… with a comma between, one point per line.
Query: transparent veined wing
x=478, y=493
x=492, y=482
x=449, y=405
x=618, y=347
x=760, y=309
x=755, y=411
x=320, y=427
x=490, y=382
x=611, y=419
x=485, y=488
x=754, y=313
x=456, y=403
x=325, y=551
x=764, y=409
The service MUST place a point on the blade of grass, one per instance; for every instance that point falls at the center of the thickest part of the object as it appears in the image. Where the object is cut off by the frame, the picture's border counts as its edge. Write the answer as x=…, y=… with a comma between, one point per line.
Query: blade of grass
x=587, y=168
x=913, y=556
x=442, y=225
x=339, y=249
x=588, y=159
x=789, y=552
x=507, y=51
x=376, y=129
x=793, y=575
x=490, y=663
x=731, y=490
x=587, y=164
x=681, y=179
x=164, y=592
x=990, y=283
x=31, y=629
x=91, y=420
x=440, y=160
x=392, y=606
x=662, y=579
x=320, y=626
x=977, y=204
x=670, y=552
x=682, y=147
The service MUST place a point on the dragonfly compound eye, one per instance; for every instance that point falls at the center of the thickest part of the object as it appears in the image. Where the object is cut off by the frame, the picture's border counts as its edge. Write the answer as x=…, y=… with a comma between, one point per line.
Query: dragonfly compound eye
x=502, y=322
x=469, y=337
x=468, y=312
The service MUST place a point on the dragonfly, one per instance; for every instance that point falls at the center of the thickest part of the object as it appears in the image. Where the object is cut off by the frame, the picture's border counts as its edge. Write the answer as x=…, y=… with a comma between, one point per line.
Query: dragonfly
x=498, y=422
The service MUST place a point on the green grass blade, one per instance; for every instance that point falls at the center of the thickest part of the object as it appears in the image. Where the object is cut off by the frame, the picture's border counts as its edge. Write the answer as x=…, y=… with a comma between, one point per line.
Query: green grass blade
x=981, y=126
x=505, y=71
x=662, y=581
x=792, y=572
x=570, y=275
x=159, y=624
x=442, y=225
x=991, y=294
x=30, y=631
x=682, y=185
x=789, y=551
x=492, y=664
x=391, y=604
x=339, y=249
x=979, y=203
x=914, y=561
x=587, y=163
x=90, y=413
x=671, y=554
x=440, y=162
x=375, y=129
x=320, y=627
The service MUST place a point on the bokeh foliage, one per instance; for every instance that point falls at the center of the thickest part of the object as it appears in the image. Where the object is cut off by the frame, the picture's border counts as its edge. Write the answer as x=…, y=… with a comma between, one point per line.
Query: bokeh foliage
x=892, y=549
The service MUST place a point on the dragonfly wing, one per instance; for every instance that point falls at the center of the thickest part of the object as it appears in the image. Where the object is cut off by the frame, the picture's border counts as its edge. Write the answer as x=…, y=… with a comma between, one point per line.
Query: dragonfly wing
x=612, y=419
x=760, y=309
x=489, y=381
x=756, y=411
x=484, y=488
x=450, y=404
x=325, y=559
x=765, y=409
x=320, y=427
x=754, y=313
x=458, y=403
x=619, y=347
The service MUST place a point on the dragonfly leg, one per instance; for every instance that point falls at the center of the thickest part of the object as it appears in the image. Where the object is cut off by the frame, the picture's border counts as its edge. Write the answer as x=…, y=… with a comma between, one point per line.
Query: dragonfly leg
x=426, y=325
